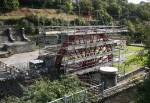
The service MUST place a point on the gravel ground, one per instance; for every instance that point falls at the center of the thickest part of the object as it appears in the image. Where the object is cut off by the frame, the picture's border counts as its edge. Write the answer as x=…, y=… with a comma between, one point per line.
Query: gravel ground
x=20, y=59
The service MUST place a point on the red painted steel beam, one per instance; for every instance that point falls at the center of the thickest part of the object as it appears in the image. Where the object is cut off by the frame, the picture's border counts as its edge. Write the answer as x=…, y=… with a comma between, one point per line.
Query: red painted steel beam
x=92, y=51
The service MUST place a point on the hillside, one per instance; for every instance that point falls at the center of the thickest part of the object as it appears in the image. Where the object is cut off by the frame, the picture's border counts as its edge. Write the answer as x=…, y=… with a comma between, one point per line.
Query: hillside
x=23, y=12
x=32, y=14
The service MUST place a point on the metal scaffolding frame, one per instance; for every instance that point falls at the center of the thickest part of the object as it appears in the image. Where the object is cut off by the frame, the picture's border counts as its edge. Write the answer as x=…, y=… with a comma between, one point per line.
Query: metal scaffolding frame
x=84, y=48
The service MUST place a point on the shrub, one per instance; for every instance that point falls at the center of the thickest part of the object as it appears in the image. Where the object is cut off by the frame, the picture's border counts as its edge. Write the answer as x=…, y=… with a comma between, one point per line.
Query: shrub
x=10, y=4
x=85, y=6
x=1, y=23
x=68, y=6
x=29, y=26
x=44, y=90
x=79, y=22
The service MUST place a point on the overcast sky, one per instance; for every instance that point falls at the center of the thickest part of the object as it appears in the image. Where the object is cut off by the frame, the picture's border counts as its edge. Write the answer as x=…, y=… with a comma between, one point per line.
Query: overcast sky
x=138, y=1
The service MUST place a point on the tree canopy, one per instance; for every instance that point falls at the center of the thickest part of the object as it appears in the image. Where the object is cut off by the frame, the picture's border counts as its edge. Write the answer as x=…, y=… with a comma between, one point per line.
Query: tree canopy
x=44, y=90
x=9, y=5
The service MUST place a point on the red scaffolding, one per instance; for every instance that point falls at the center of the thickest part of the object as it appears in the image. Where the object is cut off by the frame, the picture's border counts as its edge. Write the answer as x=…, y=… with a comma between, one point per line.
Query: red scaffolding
x=86, y=49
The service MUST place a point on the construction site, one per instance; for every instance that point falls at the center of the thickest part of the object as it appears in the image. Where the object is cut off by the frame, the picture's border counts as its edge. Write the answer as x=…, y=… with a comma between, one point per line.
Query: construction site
x=85, y=51
x=78, y=50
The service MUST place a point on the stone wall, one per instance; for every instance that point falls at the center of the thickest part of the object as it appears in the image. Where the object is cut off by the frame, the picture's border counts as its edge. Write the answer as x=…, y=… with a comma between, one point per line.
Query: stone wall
x=18, y=45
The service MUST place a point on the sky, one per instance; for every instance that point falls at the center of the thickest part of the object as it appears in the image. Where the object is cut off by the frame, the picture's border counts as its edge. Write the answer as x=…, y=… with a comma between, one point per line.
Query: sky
x=137, y=1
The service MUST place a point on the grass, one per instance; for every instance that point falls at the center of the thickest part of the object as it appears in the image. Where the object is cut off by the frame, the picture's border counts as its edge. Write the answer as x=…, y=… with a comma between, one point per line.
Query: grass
x=128, y=50
x=132, y=63
x=134, y=48
x=133, y=60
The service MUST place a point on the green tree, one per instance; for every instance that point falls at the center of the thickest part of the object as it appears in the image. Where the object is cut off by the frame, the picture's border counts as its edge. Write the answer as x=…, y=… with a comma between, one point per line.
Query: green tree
x=103, y=17
x=68, y=6
x=85, y=6
x=11, y=4
x=79, y=22
x=44, y=90
x=114, y=10
x=144, y=93
x=143, y=11
x=99, y=4
x=144, y=89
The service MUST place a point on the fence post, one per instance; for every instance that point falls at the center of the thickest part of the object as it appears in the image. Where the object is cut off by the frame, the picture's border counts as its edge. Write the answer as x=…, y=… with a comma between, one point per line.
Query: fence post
x=99, y=88
x=85, y=97
x=65, y=99
x=103, y=88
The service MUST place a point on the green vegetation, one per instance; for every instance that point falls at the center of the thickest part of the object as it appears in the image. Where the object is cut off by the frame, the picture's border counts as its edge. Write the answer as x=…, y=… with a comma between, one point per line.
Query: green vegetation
x=144, y=90
x=133, y=49
x=7, y=5
x=68, y=6
x=44, y=90
x=85, y=6
x=134, y=60
x=108, y=12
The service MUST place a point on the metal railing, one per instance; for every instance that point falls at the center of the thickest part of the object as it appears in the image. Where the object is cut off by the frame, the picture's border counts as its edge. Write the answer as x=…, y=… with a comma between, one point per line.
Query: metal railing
x=98, y=93
x=130, y=74
x=81, y=96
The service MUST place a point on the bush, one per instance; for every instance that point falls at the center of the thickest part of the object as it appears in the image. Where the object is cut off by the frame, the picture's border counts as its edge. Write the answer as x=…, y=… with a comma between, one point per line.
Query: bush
x=103, y=17
x=79, y=22
x=10, y=21
x=1, y=23
x=41, y=20
x=68, y=6
x=44, y=90
x=29, y=26
x=143, y=92
x=40, y=3
x=10, y=4
x=85, y=6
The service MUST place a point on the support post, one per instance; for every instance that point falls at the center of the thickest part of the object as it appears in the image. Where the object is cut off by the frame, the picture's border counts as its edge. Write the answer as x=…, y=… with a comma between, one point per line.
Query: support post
x=85, y=98
x=103, y=83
